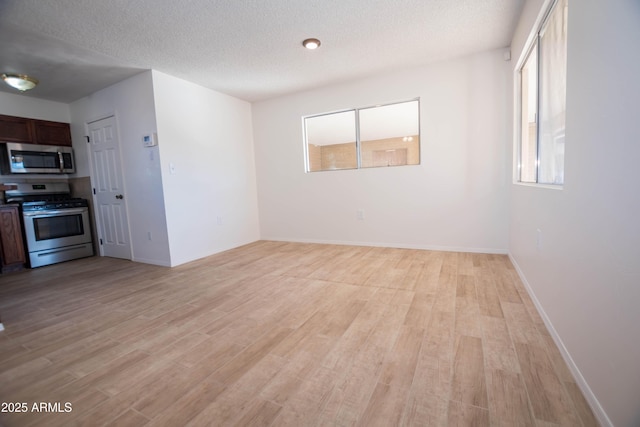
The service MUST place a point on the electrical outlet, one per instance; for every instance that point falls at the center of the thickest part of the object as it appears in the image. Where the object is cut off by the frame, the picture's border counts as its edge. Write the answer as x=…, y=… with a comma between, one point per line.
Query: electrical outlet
x=219, y=220
x=360, y=215
x=149, y=235
x=539, y=239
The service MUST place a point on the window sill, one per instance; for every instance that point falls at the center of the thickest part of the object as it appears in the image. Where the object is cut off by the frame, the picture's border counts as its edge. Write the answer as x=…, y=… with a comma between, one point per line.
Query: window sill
x=535, y=185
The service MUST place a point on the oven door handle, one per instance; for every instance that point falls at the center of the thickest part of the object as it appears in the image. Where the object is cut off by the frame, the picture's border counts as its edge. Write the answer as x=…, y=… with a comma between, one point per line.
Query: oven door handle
x=55, y=212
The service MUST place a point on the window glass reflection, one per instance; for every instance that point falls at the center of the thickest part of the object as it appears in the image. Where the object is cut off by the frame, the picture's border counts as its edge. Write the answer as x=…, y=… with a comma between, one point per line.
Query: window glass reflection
x=390, y=135
x=331, y=141
x=380, y=136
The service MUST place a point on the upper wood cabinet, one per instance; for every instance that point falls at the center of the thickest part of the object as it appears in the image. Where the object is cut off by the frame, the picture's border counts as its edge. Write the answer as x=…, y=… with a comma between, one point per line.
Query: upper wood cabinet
x=52, y=133
x=31, y=131
x=16, y=129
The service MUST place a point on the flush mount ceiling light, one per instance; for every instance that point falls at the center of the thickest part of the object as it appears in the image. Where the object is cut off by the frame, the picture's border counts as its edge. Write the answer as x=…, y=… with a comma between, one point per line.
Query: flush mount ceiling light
x=22, y=82
x=311, y=43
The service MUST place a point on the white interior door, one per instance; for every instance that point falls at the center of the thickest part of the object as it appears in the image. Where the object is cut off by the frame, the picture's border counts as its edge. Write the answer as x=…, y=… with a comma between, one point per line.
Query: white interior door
x=110, y=198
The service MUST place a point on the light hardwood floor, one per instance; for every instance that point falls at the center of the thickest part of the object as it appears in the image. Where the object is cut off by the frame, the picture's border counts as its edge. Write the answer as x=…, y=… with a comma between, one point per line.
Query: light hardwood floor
x=283, y=334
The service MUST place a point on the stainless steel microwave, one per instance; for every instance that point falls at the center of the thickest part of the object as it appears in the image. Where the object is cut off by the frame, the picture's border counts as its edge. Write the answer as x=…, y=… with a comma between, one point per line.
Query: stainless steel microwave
x=33, y=158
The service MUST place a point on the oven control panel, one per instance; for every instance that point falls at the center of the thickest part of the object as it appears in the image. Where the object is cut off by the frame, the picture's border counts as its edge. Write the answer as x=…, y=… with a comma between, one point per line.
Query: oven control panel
x=51, y=205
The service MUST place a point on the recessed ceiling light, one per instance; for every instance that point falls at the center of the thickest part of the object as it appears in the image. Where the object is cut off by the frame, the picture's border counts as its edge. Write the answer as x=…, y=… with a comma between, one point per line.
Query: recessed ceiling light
x=22, y=82
x=311, y=43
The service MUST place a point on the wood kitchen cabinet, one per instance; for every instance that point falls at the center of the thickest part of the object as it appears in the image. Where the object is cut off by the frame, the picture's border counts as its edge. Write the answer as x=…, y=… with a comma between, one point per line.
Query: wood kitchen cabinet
x=52, y=133
x=31, y=131
x=16, y=129
x=12, y=254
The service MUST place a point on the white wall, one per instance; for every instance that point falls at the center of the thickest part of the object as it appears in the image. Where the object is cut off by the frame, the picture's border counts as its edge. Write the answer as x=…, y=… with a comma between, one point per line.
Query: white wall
x=586, y=276
x=131, y=101
x=211, y=201
x=33, y=108
x=456, y=199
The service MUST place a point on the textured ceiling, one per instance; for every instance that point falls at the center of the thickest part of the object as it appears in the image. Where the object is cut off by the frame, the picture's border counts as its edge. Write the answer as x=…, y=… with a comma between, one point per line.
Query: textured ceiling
x=249, y=49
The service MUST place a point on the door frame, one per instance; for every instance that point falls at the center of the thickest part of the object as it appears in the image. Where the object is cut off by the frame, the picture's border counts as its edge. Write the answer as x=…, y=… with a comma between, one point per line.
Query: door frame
x=92, y=177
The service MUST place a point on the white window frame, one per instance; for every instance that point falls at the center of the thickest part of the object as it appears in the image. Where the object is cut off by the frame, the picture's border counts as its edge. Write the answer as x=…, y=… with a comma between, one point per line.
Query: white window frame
x=533, y=43
x=358, y=142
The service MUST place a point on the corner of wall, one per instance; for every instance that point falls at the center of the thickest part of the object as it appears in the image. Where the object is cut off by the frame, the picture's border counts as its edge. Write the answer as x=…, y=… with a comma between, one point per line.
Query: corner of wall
x=596, y=407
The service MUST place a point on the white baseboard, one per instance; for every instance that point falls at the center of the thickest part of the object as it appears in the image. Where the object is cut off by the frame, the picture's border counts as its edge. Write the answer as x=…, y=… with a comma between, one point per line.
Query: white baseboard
x=597, y=409
x=392, y=245
x=160, y=263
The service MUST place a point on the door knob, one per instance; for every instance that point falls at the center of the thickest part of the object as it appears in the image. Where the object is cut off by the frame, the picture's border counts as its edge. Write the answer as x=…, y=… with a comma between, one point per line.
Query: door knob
x=119, y=196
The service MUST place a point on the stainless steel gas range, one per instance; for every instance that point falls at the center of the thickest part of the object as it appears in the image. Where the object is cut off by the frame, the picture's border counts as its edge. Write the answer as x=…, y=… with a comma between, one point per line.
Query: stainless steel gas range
x=56, y=226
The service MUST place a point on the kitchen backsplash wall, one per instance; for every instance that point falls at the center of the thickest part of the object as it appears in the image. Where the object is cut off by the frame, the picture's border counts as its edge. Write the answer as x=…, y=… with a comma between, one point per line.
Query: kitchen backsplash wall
x=81, y=187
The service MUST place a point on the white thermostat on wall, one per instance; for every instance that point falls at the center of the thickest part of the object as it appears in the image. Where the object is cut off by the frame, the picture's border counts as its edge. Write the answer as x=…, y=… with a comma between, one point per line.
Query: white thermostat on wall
x=150, y=140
